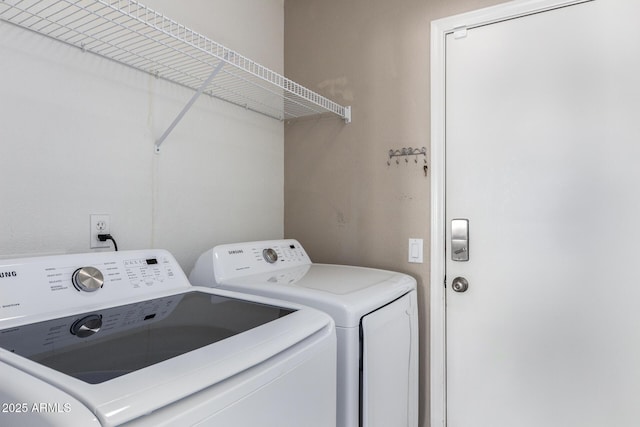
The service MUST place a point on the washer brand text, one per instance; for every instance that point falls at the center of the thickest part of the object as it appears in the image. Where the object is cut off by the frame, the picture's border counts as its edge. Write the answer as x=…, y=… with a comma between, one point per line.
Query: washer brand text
x=4, y=274
x=236, y=252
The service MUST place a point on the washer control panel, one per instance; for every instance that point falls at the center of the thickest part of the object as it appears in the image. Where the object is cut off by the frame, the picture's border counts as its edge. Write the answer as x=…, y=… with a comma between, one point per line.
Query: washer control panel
x=37, y=286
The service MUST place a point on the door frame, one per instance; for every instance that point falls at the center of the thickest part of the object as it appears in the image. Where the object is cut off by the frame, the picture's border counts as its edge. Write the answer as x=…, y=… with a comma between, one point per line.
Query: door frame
x=456, y=25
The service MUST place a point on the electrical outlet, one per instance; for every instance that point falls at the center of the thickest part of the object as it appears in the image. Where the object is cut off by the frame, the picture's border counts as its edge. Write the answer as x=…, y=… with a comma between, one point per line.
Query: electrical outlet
x=99, y=224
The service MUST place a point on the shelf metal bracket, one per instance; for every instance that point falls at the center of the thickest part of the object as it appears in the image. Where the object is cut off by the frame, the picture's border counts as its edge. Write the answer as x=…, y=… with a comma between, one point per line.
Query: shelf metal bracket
x=187, y=107
x=347, y=114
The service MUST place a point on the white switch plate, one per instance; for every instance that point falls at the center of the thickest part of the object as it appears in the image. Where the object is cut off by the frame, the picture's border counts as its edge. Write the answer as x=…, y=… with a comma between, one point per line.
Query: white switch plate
x=415, y=251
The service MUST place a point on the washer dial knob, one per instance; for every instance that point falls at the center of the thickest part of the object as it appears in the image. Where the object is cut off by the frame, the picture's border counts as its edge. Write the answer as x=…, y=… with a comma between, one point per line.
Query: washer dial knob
x=270, y=255
x=87, y=279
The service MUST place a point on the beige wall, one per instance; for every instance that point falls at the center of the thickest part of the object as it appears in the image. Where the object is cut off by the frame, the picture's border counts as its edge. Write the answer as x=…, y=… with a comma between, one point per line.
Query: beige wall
x=342, y=201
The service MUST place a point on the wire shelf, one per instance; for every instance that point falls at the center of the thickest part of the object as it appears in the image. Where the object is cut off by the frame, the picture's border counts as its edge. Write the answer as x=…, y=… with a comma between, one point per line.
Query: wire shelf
x=135, y=35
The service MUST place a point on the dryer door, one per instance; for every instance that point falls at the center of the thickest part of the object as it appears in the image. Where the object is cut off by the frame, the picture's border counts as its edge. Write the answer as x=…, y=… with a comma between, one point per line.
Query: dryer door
x=390, y=364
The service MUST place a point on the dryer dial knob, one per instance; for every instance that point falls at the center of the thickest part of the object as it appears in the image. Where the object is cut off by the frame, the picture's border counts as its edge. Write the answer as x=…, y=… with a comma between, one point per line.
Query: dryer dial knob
x=87, y=279
x=270, y=255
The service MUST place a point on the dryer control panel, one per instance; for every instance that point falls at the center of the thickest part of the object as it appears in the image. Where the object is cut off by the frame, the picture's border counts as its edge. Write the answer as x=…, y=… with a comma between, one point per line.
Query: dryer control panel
x=64, y=283
x=246, y=259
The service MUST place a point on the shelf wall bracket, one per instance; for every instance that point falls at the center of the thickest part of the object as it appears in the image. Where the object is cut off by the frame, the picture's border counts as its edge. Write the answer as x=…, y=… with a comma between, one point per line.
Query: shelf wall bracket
x=187, y=107
x=347, y=114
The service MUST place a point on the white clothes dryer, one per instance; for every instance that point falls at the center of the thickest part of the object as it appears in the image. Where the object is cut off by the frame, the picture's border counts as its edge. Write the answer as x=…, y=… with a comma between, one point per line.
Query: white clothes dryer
x=115, y=338
x=375, y=312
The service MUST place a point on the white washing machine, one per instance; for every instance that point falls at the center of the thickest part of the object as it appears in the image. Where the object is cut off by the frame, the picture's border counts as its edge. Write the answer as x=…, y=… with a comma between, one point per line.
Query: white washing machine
x=375, y=312
x=122, y=338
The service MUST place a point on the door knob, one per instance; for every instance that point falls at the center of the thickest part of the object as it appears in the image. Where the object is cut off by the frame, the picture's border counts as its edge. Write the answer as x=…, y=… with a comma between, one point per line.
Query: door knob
x=460, y=284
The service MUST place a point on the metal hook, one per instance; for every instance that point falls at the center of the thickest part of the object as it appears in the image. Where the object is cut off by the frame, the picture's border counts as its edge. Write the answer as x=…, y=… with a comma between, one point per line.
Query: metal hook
x=406, y=152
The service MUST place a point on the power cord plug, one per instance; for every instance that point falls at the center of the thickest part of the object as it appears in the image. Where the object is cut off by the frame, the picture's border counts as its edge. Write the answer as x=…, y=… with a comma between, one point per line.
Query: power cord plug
x=105, y=237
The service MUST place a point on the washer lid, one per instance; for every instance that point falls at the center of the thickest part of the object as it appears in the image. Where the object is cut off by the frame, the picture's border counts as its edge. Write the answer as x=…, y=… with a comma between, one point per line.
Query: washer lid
x=98, y=346
x=147, y=355
x=345, y=292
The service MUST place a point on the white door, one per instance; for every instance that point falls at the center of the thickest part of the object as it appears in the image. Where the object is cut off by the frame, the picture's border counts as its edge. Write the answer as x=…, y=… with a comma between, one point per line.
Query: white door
x=543, y=159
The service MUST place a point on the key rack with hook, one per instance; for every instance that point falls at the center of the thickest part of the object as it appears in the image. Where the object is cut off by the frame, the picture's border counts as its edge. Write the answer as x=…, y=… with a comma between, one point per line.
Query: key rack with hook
x=408, y=152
